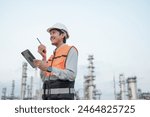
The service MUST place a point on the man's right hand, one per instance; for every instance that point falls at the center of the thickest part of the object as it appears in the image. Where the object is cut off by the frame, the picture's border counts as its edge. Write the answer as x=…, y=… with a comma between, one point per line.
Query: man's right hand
x=42, y=50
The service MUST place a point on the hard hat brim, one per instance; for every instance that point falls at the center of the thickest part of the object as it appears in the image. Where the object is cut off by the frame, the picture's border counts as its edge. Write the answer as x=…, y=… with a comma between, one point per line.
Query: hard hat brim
x=52, y=28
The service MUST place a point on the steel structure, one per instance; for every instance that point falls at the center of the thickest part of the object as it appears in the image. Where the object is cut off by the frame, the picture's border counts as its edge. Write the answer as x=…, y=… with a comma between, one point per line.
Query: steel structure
x=90, y=91
x=23, y=81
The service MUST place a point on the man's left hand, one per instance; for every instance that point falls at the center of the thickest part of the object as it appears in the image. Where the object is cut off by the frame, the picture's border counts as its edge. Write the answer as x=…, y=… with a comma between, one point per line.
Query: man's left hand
x=40, y=64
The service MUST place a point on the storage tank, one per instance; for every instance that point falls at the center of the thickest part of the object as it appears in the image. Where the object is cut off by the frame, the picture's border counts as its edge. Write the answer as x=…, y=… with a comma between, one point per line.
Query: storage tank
x=132, y=88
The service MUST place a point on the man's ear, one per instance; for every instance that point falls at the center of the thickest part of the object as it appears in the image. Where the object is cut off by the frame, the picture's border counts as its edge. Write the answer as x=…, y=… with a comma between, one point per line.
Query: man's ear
x=63, y=35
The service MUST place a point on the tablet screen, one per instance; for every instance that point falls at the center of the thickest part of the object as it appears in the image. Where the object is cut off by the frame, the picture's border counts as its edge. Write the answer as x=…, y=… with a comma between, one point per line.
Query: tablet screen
x=29, y=57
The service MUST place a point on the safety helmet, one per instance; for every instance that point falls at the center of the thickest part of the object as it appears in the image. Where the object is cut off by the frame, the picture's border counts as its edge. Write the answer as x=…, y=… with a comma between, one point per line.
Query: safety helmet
x=61, y=27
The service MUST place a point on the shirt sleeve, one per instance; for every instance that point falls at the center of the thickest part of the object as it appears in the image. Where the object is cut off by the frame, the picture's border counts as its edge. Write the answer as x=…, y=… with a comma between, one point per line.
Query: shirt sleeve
x=42, y=76
x=71, y=67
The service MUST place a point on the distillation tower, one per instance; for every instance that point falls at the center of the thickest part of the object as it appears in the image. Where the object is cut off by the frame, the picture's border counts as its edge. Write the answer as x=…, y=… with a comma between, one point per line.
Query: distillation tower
x=122, y=87
x=30, y=90
x=11, y=97
x=90, y=91
x=23, y=81
x=4, y=97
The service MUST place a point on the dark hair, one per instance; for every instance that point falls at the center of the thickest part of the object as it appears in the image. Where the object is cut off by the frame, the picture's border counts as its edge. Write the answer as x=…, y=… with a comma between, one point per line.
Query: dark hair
x=64, y=40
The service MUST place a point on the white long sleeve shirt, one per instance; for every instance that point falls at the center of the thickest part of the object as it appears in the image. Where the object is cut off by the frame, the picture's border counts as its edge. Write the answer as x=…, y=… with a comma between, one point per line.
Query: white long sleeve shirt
x=71, y=68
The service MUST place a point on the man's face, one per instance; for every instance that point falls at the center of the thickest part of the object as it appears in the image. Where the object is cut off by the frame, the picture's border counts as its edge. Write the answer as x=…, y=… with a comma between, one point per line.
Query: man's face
x=55, y=37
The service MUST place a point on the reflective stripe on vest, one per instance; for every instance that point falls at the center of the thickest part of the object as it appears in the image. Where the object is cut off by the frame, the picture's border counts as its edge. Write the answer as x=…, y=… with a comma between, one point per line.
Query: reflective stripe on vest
x=59, y=91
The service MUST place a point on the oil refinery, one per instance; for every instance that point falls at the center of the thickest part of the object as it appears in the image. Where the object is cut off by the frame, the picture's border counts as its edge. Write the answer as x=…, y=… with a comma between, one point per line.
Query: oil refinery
x=128, y=89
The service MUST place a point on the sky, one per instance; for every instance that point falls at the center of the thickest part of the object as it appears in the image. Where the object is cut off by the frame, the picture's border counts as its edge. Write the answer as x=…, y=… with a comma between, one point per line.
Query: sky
x=116, y=32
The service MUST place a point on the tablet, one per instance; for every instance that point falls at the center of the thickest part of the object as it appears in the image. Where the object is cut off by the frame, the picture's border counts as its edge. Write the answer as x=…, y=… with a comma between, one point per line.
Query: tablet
x=29, y=57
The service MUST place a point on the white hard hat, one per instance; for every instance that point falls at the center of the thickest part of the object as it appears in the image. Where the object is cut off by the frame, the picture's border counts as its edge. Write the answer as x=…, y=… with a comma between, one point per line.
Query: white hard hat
x=61, y=27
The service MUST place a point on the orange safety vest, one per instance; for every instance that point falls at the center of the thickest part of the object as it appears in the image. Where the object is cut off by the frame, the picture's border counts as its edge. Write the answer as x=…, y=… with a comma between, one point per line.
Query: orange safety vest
x=58, y=59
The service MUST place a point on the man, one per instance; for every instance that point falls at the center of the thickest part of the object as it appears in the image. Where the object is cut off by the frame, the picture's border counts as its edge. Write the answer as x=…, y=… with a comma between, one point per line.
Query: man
x=59, y=71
